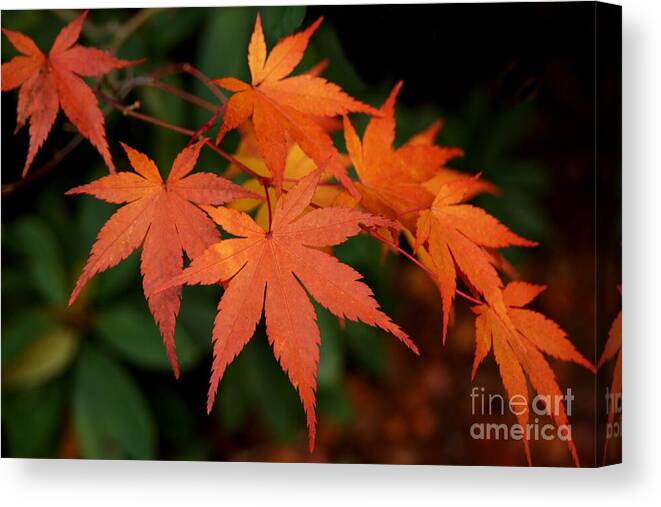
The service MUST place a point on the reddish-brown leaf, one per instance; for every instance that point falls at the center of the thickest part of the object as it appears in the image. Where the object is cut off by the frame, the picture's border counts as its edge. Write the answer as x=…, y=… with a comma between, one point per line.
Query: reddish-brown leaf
x=162, y=216
x=271, y=271
x=50, y=81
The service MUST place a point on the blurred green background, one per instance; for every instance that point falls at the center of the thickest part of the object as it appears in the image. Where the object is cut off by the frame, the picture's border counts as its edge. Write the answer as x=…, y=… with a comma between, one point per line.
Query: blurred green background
x=93, y=380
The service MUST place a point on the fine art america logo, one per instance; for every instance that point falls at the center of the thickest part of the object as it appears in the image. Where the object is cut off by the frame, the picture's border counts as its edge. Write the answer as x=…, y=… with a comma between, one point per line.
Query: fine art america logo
x=490, y=405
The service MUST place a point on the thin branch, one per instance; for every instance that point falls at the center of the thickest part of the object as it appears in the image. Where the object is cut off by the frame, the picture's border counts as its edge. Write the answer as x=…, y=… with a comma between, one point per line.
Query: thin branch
x=184, y=95
x=469, y=297
x=130, y=111
x=58, y=156
x=176, y=68
x=397, y=248
x=204, y=128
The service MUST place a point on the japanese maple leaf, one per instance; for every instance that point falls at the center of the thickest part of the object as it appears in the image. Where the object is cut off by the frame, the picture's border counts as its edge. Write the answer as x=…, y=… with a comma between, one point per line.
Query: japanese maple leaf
x=613, y=350
x=439, y=175
x=272, y=270
x=394, y=181
x=163, y=217
x=48, y=82
x=285, y=109
x=457, y=237
x=519, y=339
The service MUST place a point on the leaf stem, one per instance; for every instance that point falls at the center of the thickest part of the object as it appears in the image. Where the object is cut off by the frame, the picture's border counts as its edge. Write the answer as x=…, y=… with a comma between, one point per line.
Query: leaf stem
x=204, y=128
x=268, y=203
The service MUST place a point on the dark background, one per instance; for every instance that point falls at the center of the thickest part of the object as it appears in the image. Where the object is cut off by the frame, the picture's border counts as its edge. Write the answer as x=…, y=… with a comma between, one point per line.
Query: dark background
x=515, y=84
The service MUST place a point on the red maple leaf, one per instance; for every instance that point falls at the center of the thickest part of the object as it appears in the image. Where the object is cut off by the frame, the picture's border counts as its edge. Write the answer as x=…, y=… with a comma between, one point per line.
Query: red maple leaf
x=162, y=216
x=50, y=81
x=394, y=181
x=271, y=270
x=458, y=236
x=285, y=109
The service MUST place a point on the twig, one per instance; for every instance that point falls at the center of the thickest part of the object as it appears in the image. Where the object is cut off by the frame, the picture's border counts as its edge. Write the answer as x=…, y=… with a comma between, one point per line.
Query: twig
x=130, y=111
x=189, y=97
x=9, y=188
x=176, y=68
x=204, y=128
x=397, y=248
x=469, y=297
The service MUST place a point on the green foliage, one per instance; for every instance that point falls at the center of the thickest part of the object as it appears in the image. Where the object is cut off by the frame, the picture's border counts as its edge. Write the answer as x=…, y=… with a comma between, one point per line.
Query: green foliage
x=490, y=139
x=43, y=359
x=111, y=417
x=44, y=265
x=32, y=420
x=280, y=21
x=131, y=331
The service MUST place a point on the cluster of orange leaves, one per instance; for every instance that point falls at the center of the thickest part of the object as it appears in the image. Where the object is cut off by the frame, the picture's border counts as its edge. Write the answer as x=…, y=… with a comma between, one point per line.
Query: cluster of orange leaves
x=273, y=263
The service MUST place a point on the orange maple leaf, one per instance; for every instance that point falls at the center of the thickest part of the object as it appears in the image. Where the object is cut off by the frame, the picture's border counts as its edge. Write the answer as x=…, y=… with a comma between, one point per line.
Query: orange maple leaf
x=457, y=236
x=272, y=270
x=48, y=82
x=613, y=349
x=285, y=109
x=163, y=217
x=519, y=339
x=394, y=181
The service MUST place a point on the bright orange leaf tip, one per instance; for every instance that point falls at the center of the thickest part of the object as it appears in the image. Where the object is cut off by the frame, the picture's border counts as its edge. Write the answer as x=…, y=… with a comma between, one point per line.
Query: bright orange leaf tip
x=272, y=270
x=457, y=236
x=519, y=340
x=163, y=217
x=285, y=109
x=48, y=82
